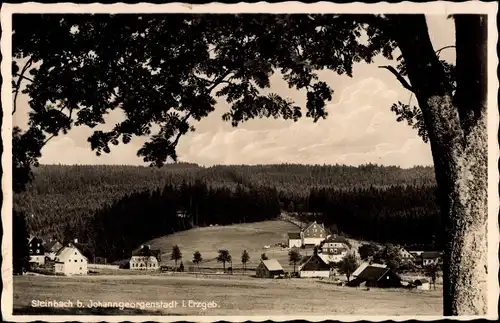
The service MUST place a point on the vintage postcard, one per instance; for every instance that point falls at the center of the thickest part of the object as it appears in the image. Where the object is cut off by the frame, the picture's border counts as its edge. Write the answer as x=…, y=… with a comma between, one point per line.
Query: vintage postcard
x=249, y=162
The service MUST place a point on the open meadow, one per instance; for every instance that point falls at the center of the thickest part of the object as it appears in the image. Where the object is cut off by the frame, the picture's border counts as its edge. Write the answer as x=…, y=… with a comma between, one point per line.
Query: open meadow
x=232, y=295
x=236, y=238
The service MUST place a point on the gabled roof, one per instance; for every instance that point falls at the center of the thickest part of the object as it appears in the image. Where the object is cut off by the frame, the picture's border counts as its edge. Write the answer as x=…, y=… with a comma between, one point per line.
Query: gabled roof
x=53, y=246
x=35, y=239
x=314, y=222
x=272, y=265
x=66, y=252
x=363, y=266
x=321, y=263
x=373, y=273
x=293, y=235
x=147, y=252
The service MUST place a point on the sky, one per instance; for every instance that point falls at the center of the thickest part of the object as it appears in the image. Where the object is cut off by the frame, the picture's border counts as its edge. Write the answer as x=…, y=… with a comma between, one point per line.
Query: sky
x=359, y=129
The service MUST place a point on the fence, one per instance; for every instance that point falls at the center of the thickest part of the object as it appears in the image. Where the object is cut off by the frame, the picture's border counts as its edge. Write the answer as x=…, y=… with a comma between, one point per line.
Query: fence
x=100, y=266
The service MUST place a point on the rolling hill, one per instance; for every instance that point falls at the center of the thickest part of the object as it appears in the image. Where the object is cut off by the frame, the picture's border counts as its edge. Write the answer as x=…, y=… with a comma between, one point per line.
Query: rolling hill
x=251, y=237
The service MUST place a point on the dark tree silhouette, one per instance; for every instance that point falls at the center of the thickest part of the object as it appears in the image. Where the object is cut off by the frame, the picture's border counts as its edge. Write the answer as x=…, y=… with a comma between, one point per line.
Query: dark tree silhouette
x=176, y=254
x=245, y=257
x=367, y=251
x=20, y=236
x=197, y=259
x=159, y=80
x=224, y=257
x=347, y=265
x=264, y=256
x=294, y=257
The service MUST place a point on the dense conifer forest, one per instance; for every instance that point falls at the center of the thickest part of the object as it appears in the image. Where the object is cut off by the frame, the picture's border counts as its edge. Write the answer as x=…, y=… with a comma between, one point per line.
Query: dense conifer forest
x=113, y=209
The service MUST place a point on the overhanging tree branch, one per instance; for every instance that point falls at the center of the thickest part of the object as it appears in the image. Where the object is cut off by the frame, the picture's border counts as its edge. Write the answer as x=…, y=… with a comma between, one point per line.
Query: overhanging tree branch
x=443, y=48
x=18, y=84
x=400, y=78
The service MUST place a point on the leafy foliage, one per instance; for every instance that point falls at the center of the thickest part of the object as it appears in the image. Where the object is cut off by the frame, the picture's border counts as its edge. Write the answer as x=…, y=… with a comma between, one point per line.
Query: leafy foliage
x=348, y=265
x=367, y=251
x=245, y=257
x=389, y=255
x=176, y=254
x=294, y=257
x=224, y=256
x=264, y=256
x=197, y=258
x=166, y=71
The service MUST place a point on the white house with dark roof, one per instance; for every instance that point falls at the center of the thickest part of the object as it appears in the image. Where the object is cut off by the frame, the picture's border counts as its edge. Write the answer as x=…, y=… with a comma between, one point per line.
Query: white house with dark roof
x=145, y=259
x=70, y=261
x=313, y=234
x=334, y=248
x=294, y=239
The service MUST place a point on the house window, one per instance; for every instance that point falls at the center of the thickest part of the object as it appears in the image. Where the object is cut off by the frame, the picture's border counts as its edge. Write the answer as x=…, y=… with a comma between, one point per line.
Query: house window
x=76, y=260
x=75, y=252
x=81, y=260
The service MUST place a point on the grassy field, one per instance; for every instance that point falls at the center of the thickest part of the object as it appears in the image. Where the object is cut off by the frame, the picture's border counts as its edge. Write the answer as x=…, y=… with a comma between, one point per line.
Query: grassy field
x=236, y=238
x=236, y=295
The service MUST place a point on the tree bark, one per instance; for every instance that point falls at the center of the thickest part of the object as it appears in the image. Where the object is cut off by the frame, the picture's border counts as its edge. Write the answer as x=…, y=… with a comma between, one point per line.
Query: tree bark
x=458, y=138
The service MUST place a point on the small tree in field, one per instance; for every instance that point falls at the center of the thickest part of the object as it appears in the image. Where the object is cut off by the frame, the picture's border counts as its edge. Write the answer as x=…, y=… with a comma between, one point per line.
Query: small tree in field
x=264, y=256
x=245, y=257
x=224, y=257
x=348, y=265
x=294, y=257
x=197, y=259
x=176, y=254
x=181, y=267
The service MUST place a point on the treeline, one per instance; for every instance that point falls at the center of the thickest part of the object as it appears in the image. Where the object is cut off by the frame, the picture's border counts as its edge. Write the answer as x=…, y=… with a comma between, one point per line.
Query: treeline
x=113, y=209
x=398, y=214
x=60, y=192
x=116, y=230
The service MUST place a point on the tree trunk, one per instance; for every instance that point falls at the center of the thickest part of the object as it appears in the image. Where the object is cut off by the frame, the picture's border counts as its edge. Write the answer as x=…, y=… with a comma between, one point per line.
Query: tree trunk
x=458, y=138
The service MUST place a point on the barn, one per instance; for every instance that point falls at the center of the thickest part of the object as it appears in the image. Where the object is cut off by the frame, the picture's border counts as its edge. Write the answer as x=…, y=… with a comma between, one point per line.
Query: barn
x=376, y=276
x=314, y=266
x=270, y=268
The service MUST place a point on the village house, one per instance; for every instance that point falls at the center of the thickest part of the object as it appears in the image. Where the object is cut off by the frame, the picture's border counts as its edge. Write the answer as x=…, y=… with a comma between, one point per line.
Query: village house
x=145, y=259
x=51, y=249
x=428, y=258
x=314, y=267
x=312, y=235
x=374, y=275
x=334, y=248
x=269, y=268
x=36, y=251
x=294, y=240
x=406, y=255
x=70, y=261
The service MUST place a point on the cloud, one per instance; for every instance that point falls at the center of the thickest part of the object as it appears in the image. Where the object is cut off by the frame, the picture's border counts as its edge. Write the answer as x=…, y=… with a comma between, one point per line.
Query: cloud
x=360, y=128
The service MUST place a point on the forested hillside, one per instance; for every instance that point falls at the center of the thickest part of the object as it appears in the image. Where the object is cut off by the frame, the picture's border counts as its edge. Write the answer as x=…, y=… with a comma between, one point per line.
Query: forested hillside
x=114, y=208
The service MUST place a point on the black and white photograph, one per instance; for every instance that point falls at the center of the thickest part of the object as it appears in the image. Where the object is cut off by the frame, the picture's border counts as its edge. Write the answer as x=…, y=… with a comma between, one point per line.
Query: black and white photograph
x=234, y=162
